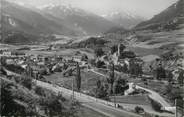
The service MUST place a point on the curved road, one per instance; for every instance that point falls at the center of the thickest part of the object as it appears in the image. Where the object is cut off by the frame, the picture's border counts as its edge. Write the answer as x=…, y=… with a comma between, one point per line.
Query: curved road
x=153, y=95
x=98, y=105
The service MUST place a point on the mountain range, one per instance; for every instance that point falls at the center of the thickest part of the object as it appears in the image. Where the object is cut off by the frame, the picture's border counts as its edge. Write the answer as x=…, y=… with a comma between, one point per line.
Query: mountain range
x=45, y=21
x=124, y=19
x=40, y=23
x=170, y=18
x=82, y=21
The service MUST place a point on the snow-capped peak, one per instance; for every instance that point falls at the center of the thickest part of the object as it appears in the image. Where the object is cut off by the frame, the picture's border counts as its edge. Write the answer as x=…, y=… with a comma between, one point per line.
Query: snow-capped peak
x=125, y=18
x=16, y=2
x=123, y=14
x=63, y=9
x=51, y=6
x=20, y=3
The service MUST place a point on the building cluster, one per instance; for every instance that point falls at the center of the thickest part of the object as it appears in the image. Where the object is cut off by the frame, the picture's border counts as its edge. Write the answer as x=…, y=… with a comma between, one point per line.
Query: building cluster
x=42, y=65
x=10, y=53
x=124, y=61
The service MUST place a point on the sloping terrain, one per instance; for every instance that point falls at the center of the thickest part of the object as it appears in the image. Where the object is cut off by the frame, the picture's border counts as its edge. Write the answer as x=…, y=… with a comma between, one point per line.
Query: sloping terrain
x=156, y=37
x=29, y=25
x=83, y=21
x=34, y=25
x=15, y=17
x=170, y=19
x=91, y=42
x=125, y=19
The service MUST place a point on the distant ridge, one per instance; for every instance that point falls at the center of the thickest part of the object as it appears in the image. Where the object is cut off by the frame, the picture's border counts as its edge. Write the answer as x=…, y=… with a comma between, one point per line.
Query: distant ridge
x=171, y=18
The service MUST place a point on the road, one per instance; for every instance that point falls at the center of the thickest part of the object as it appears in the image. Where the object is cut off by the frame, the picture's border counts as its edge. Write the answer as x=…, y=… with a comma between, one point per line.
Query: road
x=101, y=105
x=153, y=95
x=98, y=105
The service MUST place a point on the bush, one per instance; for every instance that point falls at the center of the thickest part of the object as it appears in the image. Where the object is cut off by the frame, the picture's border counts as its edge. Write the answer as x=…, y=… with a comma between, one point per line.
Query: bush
x=139, y=109
x=100, y=64
x=2, y=71
x=27, y=82
x=15, y=68
x=99, y=52
x=10, y=106
x=17, y=79
x=156, y=106
x=127, y=54
x=92, y=62
x=160, y=73
x=114, y=49
x=120, y=86
x=40, y=91
x=56, y=105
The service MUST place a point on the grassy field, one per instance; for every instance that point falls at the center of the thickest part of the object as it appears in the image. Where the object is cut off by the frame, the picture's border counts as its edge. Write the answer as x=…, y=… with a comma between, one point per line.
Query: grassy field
x=63, y=52
x=135, y=99
x=154, y=85
x=145, y=51
x=89, y=80
x=86, y=112
x=157, y=43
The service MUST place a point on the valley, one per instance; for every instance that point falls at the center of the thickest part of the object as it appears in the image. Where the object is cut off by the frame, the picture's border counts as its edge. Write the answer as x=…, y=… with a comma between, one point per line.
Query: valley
x=66, y=61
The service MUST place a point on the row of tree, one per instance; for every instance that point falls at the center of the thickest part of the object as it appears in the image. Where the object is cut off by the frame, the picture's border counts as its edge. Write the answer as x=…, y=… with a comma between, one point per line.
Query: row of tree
x=46, y=103
x=114, y=85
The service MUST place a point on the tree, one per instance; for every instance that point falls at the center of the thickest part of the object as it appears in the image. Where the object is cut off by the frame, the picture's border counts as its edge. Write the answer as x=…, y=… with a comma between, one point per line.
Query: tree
x=111, y=78
x=139, y=109
x=78, y=78
x=40, y=91
x=7, y=100
x=120, y=85
x=55, y=105
x=100, y=64
x=127, y=54
x=92, y=62
x=121, y=48
x=2, y=71
x=29, y=71
x=9, y=107
x=135, y=68
x=160, y=72
x=114, y=49
x=101, y=91
x=170, y=76
x=98, y=84
x=28, y=83
x=125, y=68
x=2, y=61
x=14, y=68
x=84, y=57
x=99, y=52
x=181, y=77
x=65, y=66
x=156, y=106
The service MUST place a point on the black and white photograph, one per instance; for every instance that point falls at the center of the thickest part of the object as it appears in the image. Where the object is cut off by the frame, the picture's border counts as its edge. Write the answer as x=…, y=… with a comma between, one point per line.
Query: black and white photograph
x=92, y=58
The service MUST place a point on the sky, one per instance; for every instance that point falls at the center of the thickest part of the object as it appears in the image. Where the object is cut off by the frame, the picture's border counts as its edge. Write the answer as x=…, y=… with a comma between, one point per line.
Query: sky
x=145, y=8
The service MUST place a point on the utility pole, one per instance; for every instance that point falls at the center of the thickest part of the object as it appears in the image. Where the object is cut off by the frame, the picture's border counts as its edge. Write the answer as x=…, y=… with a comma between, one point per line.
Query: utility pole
x=176, y=107
x=78, y=77
x=72, y=89
x=179, y=102
x=113, y=78
x=112, y=71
